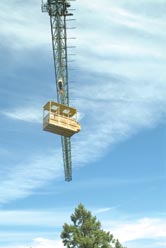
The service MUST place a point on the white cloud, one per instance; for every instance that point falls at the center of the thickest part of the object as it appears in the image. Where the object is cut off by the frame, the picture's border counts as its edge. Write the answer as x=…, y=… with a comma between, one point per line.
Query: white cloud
x=54, y=218
x=127, y=89
x=135, y=21
x=116, y=110
x=160, y=243
x=39, y=242
x=24, y=178
x=28, y=27
x=27, y=114
x=102, y=210
x=43, y=243
x=145, y=228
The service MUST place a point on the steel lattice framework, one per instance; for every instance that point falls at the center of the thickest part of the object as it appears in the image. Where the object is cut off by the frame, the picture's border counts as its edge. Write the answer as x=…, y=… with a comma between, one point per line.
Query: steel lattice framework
x=58, y=12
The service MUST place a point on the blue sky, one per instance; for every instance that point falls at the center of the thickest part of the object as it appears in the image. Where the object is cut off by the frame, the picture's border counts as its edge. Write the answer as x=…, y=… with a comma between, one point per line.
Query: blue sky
x=119, y=89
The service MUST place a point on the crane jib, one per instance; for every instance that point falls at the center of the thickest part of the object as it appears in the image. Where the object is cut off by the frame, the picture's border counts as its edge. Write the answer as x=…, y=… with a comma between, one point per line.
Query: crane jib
x=54, y=119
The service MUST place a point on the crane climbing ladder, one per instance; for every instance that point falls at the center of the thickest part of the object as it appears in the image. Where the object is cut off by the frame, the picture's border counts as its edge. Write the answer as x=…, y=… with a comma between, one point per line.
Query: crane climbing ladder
x=58, y=117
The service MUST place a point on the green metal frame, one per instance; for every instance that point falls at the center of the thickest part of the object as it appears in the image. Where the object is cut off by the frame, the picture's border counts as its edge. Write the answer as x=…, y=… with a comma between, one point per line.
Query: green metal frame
x=58, y=11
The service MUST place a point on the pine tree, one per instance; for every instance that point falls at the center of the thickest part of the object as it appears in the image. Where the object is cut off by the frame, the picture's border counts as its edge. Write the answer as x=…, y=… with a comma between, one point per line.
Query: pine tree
x=86, y=232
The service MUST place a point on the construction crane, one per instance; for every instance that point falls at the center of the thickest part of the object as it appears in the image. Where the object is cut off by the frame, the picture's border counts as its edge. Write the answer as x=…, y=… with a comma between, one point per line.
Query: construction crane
x=58, y=117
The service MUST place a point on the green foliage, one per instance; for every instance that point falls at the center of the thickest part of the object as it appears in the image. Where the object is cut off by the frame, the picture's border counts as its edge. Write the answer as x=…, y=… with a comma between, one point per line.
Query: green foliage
x=86, y=232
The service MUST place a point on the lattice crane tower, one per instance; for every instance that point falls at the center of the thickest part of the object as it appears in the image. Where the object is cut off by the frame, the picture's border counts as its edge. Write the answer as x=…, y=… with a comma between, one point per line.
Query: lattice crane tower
x=58, y=117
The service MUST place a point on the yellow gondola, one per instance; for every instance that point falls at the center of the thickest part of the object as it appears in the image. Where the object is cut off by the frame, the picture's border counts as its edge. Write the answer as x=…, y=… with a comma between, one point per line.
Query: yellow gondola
x=60, y=119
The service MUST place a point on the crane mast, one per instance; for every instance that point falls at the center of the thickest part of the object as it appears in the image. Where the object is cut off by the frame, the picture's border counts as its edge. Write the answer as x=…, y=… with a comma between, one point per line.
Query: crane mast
x=58, y=12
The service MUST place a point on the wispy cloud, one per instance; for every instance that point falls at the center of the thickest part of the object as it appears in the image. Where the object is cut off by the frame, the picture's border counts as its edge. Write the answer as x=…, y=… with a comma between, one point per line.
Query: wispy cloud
x=42, y=218
x=116, y=110
x=102, y=210
x=27, y=114
x=126, y=91
x=21, y=31
x=27, y=176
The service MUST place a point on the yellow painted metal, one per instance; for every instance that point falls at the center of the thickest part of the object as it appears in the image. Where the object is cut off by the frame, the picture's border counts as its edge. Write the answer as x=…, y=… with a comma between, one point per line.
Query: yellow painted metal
x=60, y=119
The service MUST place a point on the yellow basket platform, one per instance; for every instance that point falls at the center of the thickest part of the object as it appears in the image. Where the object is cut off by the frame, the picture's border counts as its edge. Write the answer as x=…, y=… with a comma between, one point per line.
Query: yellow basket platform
x=60, y=119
